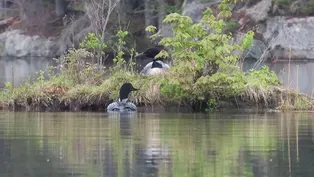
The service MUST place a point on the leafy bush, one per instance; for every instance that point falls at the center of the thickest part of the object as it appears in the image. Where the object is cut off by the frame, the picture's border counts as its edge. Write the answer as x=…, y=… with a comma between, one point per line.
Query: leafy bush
x=204, y=63
x=93, y=42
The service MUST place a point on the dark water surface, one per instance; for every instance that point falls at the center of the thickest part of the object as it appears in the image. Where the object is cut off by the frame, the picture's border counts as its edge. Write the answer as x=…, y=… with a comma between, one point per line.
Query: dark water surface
x=153, y=144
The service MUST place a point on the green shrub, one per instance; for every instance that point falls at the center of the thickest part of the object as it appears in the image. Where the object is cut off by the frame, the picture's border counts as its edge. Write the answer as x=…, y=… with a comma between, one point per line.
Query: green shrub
x=95, y=45
x=204, y=63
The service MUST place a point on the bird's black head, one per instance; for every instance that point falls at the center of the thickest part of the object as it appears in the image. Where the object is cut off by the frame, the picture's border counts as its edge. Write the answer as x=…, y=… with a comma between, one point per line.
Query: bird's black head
x=151, y=52
x=125, y=90
x=156, y=64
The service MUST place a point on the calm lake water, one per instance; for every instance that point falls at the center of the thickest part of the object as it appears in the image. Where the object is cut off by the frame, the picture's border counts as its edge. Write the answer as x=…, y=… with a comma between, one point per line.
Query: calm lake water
x=153, y=144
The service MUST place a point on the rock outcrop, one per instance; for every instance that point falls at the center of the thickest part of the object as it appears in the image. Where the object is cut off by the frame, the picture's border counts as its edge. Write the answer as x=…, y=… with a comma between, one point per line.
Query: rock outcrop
x=15, y=44
x=295, y=34
x=281, y=34
x=195, y=8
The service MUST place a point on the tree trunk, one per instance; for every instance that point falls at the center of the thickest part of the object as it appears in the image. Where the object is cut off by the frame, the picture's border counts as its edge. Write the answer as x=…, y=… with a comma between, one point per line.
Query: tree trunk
x=149, y=14
x=33, y=14
x=3, y=12
x=161, y=12
x=60, y=7
x=123, y=8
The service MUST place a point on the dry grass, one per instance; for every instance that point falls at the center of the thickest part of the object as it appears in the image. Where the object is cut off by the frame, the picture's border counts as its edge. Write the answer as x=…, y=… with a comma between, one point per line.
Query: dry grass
x=258, y=94
x=150, y=95
x=57, y=92
x=279, y=98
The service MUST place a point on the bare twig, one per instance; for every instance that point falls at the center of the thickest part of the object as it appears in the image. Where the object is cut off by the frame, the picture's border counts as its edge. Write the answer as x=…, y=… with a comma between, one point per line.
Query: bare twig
x=99, y=11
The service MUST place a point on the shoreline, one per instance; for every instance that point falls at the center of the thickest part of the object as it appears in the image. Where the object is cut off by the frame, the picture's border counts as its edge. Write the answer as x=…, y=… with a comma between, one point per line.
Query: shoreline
x=239, y=104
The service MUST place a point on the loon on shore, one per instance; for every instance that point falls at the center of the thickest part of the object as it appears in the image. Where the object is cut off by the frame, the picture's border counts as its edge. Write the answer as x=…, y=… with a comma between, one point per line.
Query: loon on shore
x=123, y=104
x=156, y=66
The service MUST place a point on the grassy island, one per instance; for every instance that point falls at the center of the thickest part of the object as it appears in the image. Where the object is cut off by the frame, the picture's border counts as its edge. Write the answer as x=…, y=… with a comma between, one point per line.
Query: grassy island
x=205, y=74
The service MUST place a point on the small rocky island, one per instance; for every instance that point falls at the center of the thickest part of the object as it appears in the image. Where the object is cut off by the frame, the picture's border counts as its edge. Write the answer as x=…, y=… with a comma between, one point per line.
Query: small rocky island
x=95, y=49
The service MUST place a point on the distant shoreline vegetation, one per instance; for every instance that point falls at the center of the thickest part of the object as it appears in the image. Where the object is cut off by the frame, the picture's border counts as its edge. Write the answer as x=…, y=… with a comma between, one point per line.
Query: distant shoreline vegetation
x=205, y=74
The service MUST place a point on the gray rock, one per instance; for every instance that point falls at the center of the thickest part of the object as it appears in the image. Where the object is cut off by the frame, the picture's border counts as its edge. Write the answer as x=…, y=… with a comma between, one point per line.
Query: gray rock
x=295, y=33
x=195, y=8
x=260, y=11
x=256, y=51
x=192, y=8
x=15, y=44
x=166, y=30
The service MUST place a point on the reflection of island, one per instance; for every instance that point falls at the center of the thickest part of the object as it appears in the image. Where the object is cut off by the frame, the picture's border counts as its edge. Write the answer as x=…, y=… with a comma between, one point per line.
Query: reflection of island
x=18, y=70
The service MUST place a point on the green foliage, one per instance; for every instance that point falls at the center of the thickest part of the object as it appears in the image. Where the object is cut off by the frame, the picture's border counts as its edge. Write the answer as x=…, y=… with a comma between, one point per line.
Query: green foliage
x=212, y=104
x=94, y=43
x=284, y=3
x=262, y=77
x=231, y=26
x=309, y=7
x=205, y=65
x=152, y=29
x=74, y=65
x=119, y=60
x=221, y=84
x=173, y=7
x=247, y=41
x=162, y=54
x=78, y=78
x=174, y=89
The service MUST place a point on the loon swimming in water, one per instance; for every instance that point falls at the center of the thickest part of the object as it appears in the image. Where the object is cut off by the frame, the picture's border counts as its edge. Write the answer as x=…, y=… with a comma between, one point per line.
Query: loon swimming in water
x=123, y=105
x=156, y=66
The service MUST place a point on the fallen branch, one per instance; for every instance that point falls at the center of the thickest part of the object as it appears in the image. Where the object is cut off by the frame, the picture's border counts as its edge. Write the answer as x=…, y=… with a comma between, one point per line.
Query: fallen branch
x=7, y=21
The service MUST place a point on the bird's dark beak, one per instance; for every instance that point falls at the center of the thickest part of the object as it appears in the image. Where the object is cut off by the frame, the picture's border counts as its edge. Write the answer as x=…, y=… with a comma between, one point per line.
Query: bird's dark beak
x=133, y=89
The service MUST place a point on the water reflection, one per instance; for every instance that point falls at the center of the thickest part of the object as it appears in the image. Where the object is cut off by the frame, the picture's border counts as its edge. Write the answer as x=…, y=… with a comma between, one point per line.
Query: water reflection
x=17, y=70
x=96, y=144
